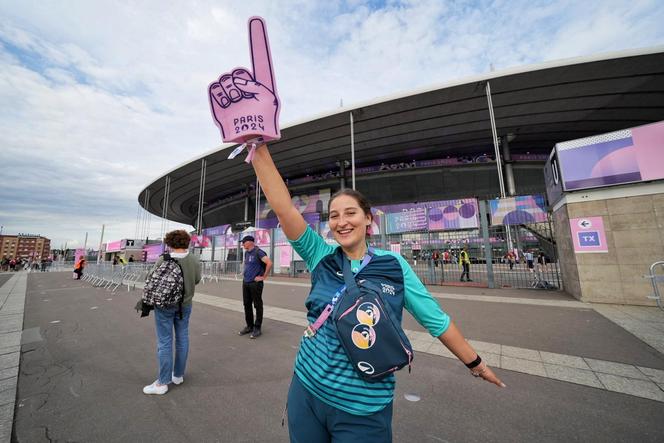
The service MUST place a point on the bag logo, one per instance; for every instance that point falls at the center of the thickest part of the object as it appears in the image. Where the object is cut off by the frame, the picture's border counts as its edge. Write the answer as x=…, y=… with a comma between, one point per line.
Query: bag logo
x=365, y=367
x=363, y=336
x=368, y=314
x=388, y=289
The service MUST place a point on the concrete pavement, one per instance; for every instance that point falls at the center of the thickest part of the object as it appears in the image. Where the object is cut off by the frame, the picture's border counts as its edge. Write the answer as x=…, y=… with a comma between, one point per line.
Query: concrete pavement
x=572, y=374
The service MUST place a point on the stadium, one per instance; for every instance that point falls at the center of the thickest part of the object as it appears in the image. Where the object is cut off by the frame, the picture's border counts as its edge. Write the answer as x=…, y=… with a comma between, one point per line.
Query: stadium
x=433, y=148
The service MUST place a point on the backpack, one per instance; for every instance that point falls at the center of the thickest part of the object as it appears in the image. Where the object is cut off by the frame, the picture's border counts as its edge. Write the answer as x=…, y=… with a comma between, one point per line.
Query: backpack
x=165, y=287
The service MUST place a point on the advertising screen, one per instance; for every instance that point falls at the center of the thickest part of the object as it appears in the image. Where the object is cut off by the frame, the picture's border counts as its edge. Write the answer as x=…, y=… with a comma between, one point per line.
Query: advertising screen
x=626, y=156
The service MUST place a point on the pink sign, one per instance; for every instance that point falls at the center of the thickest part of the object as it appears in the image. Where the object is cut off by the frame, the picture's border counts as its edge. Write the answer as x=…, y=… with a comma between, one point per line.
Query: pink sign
x=152, y=252
x=200, y=241
x=285, y=256
x=114, y=246
x=588, y=234
x=244, y=103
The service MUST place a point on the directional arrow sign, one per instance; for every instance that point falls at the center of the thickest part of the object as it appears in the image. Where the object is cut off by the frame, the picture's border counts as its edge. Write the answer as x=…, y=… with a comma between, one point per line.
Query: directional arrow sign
x=584, y=223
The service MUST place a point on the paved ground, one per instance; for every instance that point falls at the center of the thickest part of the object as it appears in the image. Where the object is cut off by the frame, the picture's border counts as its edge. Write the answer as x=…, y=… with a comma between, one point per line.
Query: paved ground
x=86, y=355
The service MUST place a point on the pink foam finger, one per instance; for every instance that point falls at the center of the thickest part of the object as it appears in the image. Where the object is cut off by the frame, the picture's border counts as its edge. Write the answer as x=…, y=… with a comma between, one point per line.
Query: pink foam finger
x=261, y=58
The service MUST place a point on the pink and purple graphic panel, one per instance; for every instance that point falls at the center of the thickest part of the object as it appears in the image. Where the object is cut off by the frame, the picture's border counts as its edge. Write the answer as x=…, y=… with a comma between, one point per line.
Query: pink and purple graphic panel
x=435, y=215
x=627, y=156
x=215, y=230
x=200, y=241
x=453, y=214
x=114, y=246
x=523, y=209
x=588, y=234
x=153, y=252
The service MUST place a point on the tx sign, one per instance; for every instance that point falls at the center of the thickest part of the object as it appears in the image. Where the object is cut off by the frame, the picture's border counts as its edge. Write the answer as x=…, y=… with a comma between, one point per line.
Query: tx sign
x=588, y=234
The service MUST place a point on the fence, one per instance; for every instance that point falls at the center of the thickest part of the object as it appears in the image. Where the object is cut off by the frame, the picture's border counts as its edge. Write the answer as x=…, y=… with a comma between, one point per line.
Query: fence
x=433, y=254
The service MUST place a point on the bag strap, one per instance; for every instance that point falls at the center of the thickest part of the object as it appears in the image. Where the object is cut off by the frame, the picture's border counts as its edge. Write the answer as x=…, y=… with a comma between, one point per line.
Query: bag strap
x=312, y=328
x=349, y=277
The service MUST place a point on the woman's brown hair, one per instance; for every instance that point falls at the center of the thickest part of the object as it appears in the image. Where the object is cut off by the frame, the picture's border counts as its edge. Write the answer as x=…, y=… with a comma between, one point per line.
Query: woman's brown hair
x=178, y=239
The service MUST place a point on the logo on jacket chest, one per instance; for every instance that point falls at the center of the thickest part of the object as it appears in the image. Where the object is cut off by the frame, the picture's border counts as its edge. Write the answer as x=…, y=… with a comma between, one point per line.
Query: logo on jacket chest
x=388, y=289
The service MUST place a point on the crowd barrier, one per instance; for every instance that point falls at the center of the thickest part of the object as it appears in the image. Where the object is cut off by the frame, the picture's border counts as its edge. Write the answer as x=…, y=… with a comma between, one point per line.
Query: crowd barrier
x=111, y=277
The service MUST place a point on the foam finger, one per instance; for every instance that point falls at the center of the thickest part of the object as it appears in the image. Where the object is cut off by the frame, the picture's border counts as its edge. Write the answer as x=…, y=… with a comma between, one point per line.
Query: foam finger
x=233, y=93
x=218, y=95
x=260, y=53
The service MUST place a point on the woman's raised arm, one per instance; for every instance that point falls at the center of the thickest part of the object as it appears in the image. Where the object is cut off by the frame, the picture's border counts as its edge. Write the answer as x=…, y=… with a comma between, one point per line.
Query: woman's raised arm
x=277, y=194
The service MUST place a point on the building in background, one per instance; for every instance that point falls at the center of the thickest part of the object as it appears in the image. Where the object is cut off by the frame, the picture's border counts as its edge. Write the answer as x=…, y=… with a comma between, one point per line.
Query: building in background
x=26, y=246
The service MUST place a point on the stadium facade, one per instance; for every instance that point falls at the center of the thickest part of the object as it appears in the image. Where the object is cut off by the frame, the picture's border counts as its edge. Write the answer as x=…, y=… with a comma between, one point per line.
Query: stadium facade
x=429, y=145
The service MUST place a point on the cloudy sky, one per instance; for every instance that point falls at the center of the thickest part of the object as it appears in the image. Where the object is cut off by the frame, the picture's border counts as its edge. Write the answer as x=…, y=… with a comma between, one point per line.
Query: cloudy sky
x=101, y=97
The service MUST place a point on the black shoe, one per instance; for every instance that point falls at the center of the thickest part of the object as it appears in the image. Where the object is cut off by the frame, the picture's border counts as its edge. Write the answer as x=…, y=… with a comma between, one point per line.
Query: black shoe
x=245, y=331
x=469, y=280
x=256, y=333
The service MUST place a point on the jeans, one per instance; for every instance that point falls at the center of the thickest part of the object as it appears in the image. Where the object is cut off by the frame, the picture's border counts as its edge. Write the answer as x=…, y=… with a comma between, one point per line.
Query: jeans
x=166, y=320
x=252, y=293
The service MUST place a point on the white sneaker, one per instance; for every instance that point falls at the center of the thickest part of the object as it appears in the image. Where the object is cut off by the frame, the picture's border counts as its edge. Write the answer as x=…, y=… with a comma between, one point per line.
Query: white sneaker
x=154, y=389
x=177, y=380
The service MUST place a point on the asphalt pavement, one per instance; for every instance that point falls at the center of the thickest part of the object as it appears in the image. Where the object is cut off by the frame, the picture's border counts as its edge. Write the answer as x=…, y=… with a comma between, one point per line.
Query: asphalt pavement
x=86, y=355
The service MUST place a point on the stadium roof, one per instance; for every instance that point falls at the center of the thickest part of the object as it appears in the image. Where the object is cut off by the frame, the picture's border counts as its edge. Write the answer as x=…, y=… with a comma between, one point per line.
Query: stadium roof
x=540, y=104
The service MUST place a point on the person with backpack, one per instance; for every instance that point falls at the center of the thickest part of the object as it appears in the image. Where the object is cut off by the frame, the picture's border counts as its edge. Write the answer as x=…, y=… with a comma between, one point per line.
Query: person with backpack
x=257, y=267
x=169, y=289
x=332, y=396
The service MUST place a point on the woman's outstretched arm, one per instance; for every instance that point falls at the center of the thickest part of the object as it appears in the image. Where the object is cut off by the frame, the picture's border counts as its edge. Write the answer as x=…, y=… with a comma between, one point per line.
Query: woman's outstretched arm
x=277, y=194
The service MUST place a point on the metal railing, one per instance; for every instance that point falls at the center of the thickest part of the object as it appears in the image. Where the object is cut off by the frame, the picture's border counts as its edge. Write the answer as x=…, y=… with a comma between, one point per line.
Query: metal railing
x=111, y=277
x=216, y=270
x=656, y=279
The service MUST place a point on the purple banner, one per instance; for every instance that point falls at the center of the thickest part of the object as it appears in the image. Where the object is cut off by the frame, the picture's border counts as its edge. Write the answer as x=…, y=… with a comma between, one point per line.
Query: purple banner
x=518, y=210
x=216, y=230
x=435, y=215
x=627, y=156
x=153, y=252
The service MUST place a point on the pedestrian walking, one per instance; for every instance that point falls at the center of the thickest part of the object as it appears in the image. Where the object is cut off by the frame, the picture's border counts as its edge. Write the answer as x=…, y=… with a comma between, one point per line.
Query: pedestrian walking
x=510, y=259
x=169, y=319
x=464, y=261
x=257, y=267
x=328, y=400
x=529, y=260
x=78, y=268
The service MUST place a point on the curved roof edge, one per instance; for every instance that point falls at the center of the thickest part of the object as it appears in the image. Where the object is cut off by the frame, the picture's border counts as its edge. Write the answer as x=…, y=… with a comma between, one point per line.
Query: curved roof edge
x=465, y=80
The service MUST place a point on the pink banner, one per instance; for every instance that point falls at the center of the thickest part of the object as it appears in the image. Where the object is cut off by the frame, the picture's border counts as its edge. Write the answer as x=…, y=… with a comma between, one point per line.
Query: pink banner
x=114, y=246
x=588, y=234
x=152, y=252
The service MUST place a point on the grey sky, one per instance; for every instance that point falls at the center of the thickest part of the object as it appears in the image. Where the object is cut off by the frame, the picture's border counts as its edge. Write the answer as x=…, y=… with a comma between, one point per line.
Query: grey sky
x=99, y=98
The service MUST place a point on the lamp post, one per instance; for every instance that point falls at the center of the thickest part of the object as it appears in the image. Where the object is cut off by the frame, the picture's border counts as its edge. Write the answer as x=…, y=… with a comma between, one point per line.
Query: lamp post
x=101, y=240
x=499, y=166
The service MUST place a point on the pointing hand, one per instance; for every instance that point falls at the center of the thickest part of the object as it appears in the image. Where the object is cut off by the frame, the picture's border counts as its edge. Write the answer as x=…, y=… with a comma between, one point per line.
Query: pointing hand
x=246, y=105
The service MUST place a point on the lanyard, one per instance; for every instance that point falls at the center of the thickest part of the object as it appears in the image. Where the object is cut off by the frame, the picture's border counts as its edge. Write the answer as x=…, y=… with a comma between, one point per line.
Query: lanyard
x=315, y=326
